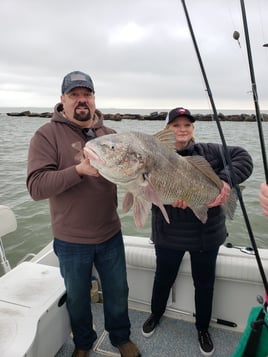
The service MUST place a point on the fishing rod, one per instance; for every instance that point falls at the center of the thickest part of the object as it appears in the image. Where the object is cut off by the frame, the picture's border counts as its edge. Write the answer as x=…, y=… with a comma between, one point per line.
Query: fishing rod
x=228, y=159
x=254, y=89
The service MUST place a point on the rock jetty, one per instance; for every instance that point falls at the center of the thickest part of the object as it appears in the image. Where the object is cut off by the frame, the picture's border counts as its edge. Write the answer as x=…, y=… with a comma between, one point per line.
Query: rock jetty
x=151, y=116
x=27, y=113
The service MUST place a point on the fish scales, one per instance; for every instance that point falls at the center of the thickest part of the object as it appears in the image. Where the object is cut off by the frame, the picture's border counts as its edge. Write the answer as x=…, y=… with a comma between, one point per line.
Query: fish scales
x=182, y=181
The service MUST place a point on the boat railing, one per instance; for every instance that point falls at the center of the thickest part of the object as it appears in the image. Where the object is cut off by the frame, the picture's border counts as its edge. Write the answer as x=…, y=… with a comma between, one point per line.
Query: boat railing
x=8, y=225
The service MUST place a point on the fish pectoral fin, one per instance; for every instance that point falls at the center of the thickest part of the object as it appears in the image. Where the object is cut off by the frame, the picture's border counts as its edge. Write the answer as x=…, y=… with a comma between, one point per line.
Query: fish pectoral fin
x=141, y=209
x=127, y=202
x=201, y=213
x=77, y=145
x=80, y=155
x=151, y=195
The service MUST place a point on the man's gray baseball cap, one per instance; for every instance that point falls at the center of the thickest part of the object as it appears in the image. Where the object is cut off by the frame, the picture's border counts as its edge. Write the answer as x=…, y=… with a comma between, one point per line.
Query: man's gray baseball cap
x=76, y=79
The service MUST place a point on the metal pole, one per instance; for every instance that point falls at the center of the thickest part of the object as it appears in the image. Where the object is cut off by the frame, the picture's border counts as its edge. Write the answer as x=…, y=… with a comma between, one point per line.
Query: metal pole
x=3, y=259
x=254, y=89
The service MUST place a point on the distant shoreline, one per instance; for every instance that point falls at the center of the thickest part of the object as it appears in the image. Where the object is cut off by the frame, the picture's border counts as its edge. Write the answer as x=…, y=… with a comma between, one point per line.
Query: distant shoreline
x=151, y=116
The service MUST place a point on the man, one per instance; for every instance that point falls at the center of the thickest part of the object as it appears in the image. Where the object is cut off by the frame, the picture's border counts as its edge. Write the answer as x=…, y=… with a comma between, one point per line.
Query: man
x=263, y=197
x=83, y=208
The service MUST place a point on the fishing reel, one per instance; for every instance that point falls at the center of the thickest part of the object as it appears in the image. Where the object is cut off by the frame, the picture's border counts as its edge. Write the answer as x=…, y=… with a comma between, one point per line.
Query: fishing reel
x=256, y=325
x=247, y=250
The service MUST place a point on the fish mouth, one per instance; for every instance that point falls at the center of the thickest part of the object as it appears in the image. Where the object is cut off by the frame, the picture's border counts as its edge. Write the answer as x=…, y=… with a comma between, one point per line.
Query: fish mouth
x=91, y=154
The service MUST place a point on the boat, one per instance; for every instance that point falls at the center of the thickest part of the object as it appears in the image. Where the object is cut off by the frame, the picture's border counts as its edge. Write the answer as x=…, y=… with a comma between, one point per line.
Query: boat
x=34, y=320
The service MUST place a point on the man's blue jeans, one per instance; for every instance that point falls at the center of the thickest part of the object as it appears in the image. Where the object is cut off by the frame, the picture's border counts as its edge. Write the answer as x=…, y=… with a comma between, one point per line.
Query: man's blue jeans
x=76, y=262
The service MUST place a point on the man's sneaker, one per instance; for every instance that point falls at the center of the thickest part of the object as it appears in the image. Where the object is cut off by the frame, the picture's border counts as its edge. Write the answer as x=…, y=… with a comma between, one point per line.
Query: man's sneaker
x=149, y=326
x=129, y=349
x=205, y=343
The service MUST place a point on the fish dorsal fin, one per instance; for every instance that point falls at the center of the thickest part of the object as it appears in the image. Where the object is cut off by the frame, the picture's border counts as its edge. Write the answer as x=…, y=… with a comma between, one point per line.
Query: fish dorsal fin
x=167, y=137
x=201, y=164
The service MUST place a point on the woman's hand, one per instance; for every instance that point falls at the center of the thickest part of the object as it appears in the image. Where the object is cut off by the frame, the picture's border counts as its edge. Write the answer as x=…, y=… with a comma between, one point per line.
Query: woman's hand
x=222, y=197
x=180, y=204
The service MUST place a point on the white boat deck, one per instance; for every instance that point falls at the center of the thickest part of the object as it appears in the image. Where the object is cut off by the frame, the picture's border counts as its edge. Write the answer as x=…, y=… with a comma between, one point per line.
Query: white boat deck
x=172, y=338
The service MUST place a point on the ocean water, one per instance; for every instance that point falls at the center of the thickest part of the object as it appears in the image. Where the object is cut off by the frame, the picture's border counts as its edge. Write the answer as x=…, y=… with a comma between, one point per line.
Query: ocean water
x=34, y=231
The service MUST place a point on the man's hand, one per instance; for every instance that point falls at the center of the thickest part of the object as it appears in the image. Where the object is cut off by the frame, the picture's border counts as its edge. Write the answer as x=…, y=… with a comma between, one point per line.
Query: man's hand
x=263, y=196
x=84, y=168
x=222, y=197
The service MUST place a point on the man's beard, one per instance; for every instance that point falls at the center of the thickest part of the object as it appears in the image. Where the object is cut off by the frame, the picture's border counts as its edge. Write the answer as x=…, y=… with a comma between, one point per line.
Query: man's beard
x=82, y=112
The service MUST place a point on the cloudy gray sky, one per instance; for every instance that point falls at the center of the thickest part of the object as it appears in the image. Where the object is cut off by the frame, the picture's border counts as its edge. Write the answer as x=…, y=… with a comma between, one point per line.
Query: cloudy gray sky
x=139, y=53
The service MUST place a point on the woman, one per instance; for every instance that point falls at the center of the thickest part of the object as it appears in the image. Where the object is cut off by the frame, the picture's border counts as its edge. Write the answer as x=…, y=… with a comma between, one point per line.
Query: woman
x=186, y=233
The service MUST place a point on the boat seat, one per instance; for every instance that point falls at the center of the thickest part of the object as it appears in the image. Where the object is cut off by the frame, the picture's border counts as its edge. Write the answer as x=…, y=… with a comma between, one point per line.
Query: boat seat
x=231, y=263
x=34, y=321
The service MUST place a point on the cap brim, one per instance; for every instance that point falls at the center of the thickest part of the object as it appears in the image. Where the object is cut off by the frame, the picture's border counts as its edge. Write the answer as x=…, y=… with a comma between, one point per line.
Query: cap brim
x=191, y=118
x=71, y=87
